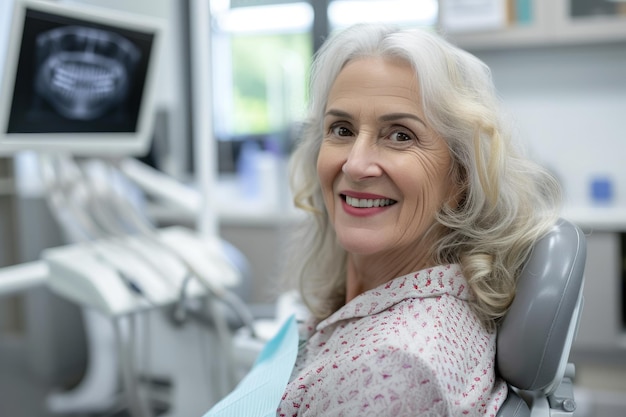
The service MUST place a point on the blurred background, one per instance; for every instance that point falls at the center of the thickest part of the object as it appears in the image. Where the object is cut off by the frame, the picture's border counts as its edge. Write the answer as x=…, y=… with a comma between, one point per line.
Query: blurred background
x=560, y=68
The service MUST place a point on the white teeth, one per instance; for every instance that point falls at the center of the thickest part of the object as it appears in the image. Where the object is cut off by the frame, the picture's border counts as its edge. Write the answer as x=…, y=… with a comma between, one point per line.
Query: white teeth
x=368, y=202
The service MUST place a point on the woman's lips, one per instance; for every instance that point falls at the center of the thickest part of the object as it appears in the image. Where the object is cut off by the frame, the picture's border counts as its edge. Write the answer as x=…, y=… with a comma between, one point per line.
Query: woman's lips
x=364, y=204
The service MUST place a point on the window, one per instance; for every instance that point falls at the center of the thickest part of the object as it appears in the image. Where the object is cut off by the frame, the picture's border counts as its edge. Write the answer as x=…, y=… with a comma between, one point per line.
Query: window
x=261, y=56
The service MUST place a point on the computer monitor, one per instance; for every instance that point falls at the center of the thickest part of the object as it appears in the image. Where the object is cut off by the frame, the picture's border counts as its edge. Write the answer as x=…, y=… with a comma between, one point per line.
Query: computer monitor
x=78, y=79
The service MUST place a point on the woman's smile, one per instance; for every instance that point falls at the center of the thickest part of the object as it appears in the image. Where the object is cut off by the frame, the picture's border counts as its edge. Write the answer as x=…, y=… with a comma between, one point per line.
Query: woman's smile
x=364, y=204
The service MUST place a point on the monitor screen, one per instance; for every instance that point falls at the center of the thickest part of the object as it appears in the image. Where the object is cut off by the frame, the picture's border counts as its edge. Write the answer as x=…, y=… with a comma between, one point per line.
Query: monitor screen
x=78, y=79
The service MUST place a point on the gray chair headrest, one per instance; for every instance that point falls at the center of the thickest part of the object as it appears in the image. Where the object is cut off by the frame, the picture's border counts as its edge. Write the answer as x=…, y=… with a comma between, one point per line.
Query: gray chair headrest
x=535, y=336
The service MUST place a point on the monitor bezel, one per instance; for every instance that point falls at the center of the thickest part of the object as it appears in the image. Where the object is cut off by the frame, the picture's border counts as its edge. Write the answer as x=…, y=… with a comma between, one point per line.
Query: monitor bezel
x=97, y=143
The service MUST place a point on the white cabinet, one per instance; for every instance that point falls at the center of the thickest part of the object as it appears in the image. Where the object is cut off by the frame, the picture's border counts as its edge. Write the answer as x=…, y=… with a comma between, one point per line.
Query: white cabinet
x=542, y=22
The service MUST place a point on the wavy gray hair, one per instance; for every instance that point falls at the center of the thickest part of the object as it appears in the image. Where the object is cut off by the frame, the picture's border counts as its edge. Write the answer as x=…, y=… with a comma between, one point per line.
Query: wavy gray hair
x=507, y=200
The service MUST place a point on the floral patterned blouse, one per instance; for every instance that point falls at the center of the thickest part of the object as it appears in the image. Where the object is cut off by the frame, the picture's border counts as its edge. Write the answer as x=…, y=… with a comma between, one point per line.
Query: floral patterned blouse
x=411, y=347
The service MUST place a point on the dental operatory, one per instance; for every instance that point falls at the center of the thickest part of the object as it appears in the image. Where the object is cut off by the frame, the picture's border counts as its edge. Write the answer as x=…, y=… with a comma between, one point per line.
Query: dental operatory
x=243, y=208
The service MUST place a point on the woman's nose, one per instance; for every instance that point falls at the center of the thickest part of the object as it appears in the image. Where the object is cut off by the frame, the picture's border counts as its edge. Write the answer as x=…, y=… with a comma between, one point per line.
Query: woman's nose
x=363, y=159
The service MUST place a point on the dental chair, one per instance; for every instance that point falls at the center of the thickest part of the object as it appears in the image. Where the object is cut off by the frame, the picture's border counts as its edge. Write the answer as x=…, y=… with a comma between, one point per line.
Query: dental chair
x=536, y=335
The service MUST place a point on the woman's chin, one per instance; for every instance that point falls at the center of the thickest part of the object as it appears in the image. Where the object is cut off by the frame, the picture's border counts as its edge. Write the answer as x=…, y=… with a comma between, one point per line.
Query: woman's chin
x=361, y=245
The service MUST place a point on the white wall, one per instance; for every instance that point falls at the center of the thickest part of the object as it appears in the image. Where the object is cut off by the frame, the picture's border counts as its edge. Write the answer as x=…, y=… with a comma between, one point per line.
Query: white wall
x=570, y=103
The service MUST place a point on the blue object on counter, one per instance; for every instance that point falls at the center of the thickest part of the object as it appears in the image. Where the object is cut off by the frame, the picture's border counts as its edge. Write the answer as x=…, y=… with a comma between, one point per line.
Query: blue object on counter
x=601, y=190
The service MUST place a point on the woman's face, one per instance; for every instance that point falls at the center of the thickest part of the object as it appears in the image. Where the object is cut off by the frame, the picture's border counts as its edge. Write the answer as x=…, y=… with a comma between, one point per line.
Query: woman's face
x=384, y=172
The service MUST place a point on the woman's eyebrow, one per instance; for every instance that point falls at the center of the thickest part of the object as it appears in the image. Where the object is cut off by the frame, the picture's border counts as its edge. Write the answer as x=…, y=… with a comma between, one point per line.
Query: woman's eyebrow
x=391, y=117
x=338, y=113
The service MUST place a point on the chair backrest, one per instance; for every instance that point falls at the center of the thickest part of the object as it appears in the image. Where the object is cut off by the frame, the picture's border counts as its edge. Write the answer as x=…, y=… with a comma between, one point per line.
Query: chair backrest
x=535, y=337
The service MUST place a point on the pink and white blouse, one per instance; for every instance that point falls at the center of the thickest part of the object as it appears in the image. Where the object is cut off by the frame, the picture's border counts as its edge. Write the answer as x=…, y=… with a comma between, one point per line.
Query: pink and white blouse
x=411, y=347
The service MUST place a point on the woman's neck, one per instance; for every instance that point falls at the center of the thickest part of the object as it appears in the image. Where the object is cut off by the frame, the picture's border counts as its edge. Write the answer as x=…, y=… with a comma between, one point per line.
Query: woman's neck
x=368, y=272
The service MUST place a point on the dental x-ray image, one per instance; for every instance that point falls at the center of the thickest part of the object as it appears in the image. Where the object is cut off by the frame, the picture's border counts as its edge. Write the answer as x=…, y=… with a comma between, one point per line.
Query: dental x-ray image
x=77, y=76
x=84, y=72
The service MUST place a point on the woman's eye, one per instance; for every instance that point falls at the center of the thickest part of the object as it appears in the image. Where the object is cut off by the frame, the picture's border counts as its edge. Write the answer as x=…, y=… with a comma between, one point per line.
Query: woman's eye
x=341, y=131
x=400, y=136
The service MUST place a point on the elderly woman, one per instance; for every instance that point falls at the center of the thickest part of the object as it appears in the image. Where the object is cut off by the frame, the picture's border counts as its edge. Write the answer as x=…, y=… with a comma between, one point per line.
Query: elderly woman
x=422, y=212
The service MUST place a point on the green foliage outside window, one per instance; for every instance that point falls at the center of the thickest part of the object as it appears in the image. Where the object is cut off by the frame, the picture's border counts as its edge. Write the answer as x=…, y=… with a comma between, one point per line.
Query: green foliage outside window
x=257, y=60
